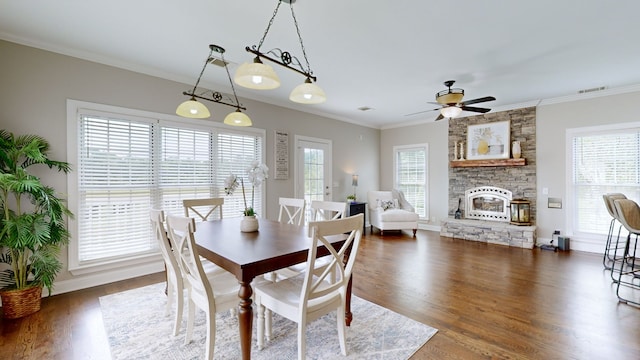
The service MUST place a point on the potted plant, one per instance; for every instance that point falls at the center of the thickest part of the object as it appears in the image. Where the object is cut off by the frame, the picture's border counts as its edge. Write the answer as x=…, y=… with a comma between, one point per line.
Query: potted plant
x=33, y=223
x=351, y=198
x=256, y=174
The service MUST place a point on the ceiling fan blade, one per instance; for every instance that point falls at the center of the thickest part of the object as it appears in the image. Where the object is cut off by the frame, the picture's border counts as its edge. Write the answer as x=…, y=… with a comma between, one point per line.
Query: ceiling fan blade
x=475, y=109
x=478, y=100
x=421, y=112
x=440, y=117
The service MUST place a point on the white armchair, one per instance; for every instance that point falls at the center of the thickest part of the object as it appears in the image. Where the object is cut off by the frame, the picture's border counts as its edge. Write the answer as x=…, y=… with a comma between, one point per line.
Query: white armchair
x=388, y=210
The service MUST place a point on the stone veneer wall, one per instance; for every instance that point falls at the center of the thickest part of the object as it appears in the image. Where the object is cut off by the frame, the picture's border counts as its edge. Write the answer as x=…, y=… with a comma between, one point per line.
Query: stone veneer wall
x=520, y=180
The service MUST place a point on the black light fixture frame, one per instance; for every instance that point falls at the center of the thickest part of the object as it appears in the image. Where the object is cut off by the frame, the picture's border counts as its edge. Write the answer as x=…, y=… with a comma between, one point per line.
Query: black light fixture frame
x=216, y=96
x=280, y=57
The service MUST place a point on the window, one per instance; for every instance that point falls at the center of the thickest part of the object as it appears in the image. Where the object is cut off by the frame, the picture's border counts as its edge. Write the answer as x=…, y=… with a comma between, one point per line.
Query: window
x=128, y=162
x=603, y=160
x=410, y=164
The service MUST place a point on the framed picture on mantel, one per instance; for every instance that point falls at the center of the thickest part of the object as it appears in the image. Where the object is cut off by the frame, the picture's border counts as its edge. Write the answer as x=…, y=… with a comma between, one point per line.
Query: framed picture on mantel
x=489, y=141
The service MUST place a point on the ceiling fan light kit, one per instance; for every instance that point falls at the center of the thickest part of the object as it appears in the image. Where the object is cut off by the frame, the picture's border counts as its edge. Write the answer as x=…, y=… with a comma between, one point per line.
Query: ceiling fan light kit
x=452, y=104
x=450, y=111
x=260, y=76
x=449, y=96
x=197, y=110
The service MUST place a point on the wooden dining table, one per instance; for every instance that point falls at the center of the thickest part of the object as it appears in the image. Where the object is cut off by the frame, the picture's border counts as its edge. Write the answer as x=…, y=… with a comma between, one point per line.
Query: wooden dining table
x=250, y=254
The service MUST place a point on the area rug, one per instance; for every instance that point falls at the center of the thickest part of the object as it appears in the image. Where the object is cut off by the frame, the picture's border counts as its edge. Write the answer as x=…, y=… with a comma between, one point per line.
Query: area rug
x=137, y=328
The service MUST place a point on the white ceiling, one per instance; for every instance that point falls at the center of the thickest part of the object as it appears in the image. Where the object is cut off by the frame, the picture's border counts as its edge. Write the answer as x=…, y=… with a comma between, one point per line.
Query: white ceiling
x=392, y=56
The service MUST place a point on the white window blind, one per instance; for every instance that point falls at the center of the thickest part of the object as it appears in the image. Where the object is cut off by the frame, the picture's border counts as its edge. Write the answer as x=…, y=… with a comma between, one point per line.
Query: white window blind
x=185, y=166
x=129, y=164
x=411, y=175
x=235, y=153
x=605, y=161
x=115, y=182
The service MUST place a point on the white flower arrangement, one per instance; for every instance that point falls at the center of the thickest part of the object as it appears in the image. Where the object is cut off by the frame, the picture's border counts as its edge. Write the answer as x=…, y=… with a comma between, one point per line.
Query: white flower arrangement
x=257, y=173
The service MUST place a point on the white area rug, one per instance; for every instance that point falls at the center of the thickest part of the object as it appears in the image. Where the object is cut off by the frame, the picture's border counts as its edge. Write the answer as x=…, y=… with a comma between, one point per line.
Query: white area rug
x=138, y=329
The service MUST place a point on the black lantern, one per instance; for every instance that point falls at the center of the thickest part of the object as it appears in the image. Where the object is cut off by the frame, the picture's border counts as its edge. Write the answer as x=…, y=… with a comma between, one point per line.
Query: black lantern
x=520, y=212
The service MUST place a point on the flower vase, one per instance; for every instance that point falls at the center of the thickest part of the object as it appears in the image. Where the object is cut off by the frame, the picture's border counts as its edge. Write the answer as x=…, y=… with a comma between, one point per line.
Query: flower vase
x=249, y=224
x=515, y=150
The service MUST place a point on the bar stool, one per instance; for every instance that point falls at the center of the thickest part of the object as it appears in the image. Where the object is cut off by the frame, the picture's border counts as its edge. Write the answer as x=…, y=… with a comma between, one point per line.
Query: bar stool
x=629, y=215
x=608, y=201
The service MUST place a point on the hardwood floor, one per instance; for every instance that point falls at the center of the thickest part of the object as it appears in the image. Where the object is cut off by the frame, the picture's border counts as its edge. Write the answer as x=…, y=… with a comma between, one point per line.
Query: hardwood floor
x=487, y=301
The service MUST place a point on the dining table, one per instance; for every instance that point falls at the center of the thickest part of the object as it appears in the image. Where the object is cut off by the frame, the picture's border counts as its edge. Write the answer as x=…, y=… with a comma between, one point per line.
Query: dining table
x=250, y=254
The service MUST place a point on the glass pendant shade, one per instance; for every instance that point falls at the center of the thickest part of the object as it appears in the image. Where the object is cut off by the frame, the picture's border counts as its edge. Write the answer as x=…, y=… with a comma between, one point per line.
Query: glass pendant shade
x=193, y=109
x=256, y=75
x=450, y=111
x=237, y=118
x=308, y=93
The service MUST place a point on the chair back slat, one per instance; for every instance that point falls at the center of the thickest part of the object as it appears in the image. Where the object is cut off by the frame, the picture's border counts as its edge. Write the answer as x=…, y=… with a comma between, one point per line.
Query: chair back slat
x=157, y=220
x=291, y=211
x=327, y=210
x=203, y=208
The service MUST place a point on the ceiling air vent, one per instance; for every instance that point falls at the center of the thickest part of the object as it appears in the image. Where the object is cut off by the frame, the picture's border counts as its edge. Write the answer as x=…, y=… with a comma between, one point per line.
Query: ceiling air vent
x=584, y=91
x=365, y=108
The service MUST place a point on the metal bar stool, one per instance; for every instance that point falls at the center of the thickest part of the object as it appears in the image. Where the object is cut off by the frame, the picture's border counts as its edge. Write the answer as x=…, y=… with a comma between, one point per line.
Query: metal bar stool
x=609, y=249
x=629, y=215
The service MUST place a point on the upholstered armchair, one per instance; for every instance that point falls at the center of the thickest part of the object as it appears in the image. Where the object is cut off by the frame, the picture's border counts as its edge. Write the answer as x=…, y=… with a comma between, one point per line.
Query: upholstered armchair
x=388, y=210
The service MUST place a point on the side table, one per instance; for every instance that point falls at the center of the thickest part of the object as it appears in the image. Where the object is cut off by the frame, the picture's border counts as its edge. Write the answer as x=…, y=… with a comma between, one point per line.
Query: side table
x=355, y=208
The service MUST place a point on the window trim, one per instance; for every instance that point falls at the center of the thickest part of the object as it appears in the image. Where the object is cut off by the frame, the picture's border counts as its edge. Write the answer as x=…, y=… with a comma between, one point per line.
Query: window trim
x=74, y=107
x=424, y=146
x=570, y=214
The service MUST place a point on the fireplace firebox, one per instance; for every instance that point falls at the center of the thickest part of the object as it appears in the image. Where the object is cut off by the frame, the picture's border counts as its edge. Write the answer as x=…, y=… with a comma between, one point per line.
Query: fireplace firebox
x=487, y=203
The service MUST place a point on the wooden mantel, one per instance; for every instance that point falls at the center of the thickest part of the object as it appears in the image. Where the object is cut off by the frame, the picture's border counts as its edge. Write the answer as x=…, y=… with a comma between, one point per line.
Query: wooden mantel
x=490, y=162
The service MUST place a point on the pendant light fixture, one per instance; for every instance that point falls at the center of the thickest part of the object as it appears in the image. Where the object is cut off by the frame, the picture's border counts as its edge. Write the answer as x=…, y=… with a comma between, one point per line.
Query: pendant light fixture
x=257, y=75
x=197, y=110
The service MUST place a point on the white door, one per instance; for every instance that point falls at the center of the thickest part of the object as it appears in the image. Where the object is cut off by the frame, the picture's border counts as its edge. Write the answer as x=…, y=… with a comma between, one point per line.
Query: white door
x=313, y=169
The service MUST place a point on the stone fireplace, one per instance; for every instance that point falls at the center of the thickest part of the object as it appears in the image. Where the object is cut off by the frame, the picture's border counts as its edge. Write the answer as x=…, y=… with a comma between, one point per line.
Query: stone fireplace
x=490, y=188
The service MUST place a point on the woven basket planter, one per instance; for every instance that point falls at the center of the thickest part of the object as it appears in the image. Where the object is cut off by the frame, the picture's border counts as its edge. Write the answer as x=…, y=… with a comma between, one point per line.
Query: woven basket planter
x=20, y=303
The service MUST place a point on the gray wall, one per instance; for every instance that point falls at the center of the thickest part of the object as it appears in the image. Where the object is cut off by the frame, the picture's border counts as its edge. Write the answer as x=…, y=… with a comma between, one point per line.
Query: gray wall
x=436, y=135
x=35, y=85
x=553, y=120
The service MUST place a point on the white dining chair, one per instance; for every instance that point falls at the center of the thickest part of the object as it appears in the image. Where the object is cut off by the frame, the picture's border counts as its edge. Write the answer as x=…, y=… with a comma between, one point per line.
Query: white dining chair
x=174, y=276
x=291, y=211
x=309, y=296
x=212, y=294
x=327, y=210
x=203, y=208
x=175, y=283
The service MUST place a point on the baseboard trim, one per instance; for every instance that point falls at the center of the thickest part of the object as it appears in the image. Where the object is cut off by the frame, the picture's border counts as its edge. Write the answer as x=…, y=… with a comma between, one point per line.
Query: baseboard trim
x=429, y=227
x=95, y=279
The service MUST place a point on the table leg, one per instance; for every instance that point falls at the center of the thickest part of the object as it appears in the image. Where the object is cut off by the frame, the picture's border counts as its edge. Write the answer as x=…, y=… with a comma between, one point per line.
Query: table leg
x=348, y=315
x=245, y=319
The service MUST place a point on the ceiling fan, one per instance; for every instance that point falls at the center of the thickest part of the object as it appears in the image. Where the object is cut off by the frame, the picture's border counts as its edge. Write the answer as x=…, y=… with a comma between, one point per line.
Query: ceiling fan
x=452, y=104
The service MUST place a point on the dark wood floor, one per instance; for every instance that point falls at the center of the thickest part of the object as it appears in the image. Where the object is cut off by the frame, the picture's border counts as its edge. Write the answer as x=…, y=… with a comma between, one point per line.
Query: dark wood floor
x=487, y=301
